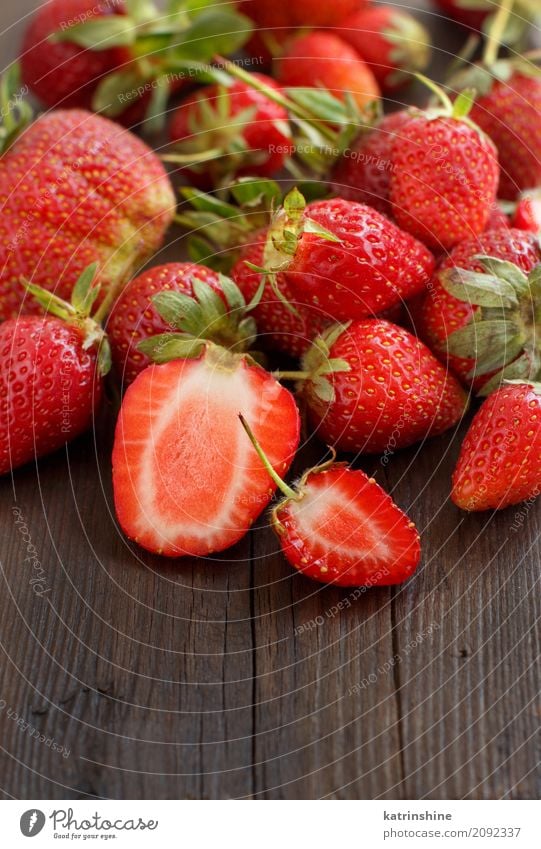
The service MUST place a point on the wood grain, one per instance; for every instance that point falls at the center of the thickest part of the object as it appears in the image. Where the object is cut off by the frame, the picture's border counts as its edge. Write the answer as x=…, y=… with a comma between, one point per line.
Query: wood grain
x=234, y=677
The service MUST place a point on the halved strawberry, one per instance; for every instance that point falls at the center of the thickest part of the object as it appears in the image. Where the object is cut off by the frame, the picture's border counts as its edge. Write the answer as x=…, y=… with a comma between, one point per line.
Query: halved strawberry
x=186, y=480
x=339, y=526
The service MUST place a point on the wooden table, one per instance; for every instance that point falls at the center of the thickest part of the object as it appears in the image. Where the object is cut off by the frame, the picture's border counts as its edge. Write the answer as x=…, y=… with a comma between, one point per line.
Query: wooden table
x=236, y=677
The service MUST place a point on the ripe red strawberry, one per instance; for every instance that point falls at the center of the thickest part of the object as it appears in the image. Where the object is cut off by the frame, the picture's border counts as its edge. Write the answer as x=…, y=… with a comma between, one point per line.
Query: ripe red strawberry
x=108, y=56
x=338, y=526
x=62, y=73
x=439, y=313
x=278, y=327
x=210, y=308
x=500, y=458
x=498, y=220
x=274, y=14
x=472, y=13
x=227, y=132
x=322, y=60
x=363, y=173
x=344, y=259
x=76, y=188
x=444, y=176
x=391, y=40
x=51, y=378
x=372, y=387
x=186, y=480
x=527, y=214
x=508, y=110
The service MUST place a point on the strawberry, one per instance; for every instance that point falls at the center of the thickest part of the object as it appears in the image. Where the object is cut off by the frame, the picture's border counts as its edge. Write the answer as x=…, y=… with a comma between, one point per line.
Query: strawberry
x=509, y=111
x=322, y=60
x=444, y=175
x=186, y=480
x=279, y=328
x=74, y=188
x=527, y=213
x=498, y=220
x=344, y=259
x=500, y=458
x=51, y=376
x=275, y=14
x=209, y=307
x=439, y=313
x=363, y=172
x=227, y=132
x=391, y=41
x=370, y=386
x=338, y=526
x=120, y=57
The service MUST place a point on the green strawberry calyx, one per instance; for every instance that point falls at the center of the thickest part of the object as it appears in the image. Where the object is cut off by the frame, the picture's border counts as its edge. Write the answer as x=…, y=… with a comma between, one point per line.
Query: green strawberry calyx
x=318, y=365
x=78, y=311
x=164, y=47
x=288, y=226
x=218, y=228
x=504, y=333
x=202, y=318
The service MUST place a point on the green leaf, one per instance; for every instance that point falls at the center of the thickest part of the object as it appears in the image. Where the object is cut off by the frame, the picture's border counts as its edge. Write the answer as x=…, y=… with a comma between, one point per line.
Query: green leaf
x=51, y=303
x=212, y=306
x=505, y=271
x=311, y=226
x=498, y=357
x=104, y=357
x=213, y=32
x=84, y=292
x=479, y=338
x=177, y=309
x=171, y=346
x=209, y=203
x=520, y=369
x=463, y=103
x=100, y=33
x=479, y=289
x=252, y=192
x=156, y=113
x=233, y=295
x=324, y=389
x=116, y=92
x=321, y=104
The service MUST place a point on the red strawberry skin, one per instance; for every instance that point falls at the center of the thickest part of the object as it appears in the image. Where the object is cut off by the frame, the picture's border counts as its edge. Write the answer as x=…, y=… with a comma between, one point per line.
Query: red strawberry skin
x=395, y=394
x=500, y=458
x=278, y=328
x=346, y=530
x=76, y=188
x=134, y=317
x=186, y=479
x=511, y=115
x=391, y=40
x=363, y=174
x=267, y=146
x=527, y=215
x=374, y=267
x=438, y=314
x=444, y=180
x=49, y=388
x=321, y=59
x=62, y=73
x=298, y=13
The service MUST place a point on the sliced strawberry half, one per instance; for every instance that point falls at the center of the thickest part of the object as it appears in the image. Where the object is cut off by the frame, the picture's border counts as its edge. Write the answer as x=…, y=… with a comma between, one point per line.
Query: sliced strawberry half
x=186, y=480
x=338, y=526
x=345, y=529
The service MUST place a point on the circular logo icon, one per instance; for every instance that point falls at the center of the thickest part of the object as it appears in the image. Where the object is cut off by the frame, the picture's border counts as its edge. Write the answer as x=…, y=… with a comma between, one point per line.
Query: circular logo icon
x=32, y=822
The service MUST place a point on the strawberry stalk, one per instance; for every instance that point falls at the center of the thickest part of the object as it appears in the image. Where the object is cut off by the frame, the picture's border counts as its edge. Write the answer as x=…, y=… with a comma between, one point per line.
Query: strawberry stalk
x=497, y=29
x=281, y=484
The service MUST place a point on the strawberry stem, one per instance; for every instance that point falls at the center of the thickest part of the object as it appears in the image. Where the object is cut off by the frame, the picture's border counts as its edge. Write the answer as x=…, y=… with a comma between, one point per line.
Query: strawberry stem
x=496, y=32
x=282, y=485
x=291, y=375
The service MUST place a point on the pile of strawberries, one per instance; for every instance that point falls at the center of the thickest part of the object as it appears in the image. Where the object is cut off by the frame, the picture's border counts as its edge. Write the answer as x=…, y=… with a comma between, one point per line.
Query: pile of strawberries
x=392, y=275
